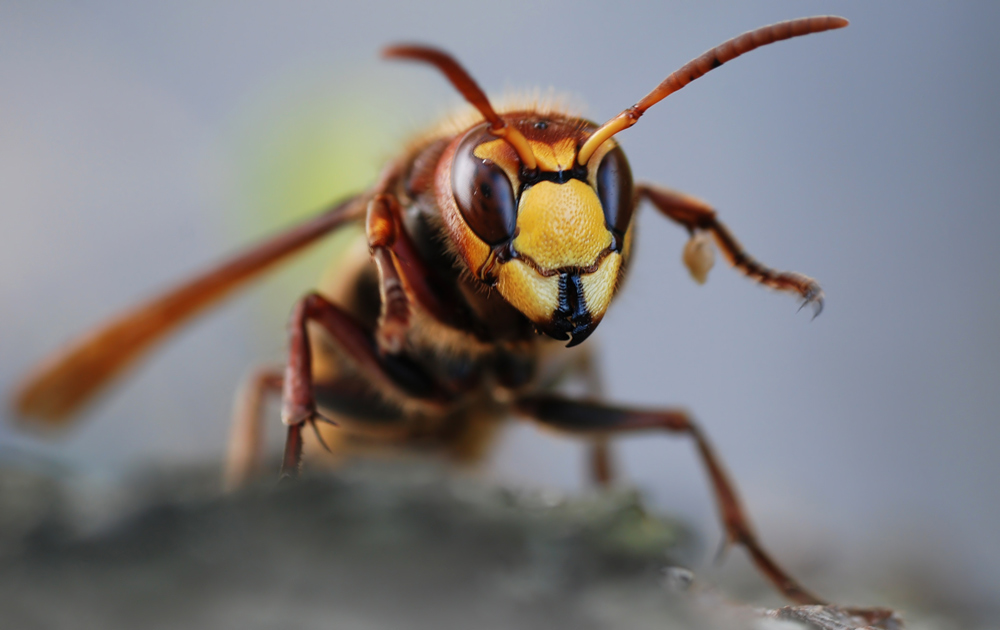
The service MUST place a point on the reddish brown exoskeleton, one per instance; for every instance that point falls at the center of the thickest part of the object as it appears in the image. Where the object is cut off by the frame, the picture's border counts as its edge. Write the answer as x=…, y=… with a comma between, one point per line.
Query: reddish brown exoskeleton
x=489, y=240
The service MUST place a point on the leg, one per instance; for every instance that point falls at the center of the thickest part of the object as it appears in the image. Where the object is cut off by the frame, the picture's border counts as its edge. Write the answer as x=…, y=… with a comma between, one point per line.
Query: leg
x=585, y=417
x=698, y=217
x=395, y=375
x=582, y=365
x=602, y=471
x=403, y=280
x=348, y=397
x=601, y=460
x=245, y=447
x=403, y=276
x=383, y=232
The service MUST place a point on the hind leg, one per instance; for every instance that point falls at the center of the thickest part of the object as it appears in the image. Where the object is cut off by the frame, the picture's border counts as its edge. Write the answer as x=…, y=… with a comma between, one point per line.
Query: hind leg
x=603, y=420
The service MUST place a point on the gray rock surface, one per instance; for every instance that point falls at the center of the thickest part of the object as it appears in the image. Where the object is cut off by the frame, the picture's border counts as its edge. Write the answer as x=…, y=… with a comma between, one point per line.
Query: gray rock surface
x=371, y=546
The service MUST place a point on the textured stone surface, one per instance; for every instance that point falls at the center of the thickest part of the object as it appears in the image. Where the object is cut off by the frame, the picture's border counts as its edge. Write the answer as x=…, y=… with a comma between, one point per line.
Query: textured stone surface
x=386, y=547
x=371, y=546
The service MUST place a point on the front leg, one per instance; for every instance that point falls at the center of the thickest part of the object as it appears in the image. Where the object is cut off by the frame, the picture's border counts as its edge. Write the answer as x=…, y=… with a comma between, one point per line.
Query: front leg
x=406, y=280
x=601, y=420
x=394, y=375
x=699, y=217
x=383, y=231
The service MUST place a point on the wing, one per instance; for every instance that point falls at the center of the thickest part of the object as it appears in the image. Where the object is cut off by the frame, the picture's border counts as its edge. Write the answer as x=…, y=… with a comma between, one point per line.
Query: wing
x=61, y=384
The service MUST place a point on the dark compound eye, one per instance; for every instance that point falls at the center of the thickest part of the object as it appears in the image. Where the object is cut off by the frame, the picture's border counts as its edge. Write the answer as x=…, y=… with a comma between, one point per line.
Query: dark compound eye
x=614, y=189
x=483, y=192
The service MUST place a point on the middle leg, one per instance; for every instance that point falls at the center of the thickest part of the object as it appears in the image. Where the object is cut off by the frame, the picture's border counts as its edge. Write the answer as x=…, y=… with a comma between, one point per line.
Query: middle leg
x=245, y=440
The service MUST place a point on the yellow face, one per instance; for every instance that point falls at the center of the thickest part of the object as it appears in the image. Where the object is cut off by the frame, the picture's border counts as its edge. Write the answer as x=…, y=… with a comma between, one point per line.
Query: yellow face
x=553, y=241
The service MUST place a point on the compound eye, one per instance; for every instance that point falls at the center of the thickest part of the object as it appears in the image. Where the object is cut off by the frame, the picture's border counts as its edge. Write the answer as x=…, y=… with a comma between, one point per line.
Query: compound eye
x=614, y=189
x=483, y=192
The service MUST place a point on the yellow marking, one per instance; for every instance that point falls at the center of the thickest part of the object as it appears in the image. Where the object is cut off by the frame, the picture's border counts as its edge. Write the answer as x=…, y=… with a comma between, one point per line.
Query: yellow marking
x=550, y=157
x=561, y=225
x=534, y=295
x=545, y=156
x=498, y=151
x=595, y=160
x=599, y=287
x=565, y=151
x=503, y=155
x=629, y=236
x=554, y=157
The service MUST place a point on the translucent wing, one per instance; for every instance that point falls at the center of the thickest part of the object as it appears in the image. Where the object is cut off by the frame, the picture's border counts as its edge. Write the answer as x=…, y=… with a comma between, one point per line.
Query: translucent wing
x=61, y=384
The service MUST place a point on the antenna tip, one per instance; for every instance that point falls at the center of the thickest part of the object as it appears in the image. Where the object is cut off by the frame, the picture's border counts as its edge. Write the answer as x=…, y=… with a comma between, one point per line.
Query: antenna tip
x=836, y=21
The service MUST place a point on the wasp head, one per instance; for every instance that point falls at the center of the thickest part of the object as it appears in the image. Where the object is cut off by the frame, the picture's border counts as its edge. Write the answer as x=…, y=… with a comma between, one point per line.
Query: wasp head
x=552, y=239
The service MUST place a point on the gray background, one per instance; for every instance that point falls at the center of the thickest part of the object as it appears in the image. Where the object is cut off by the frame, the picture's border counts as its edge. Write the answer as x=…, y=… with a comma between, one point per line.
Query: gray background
x=140, y=141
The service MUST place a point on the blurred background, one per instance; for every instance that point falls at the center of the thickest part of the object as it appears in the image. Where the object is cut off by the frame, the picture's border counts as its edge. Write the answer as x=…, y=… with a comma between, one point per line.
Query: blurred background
x=140, y=142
